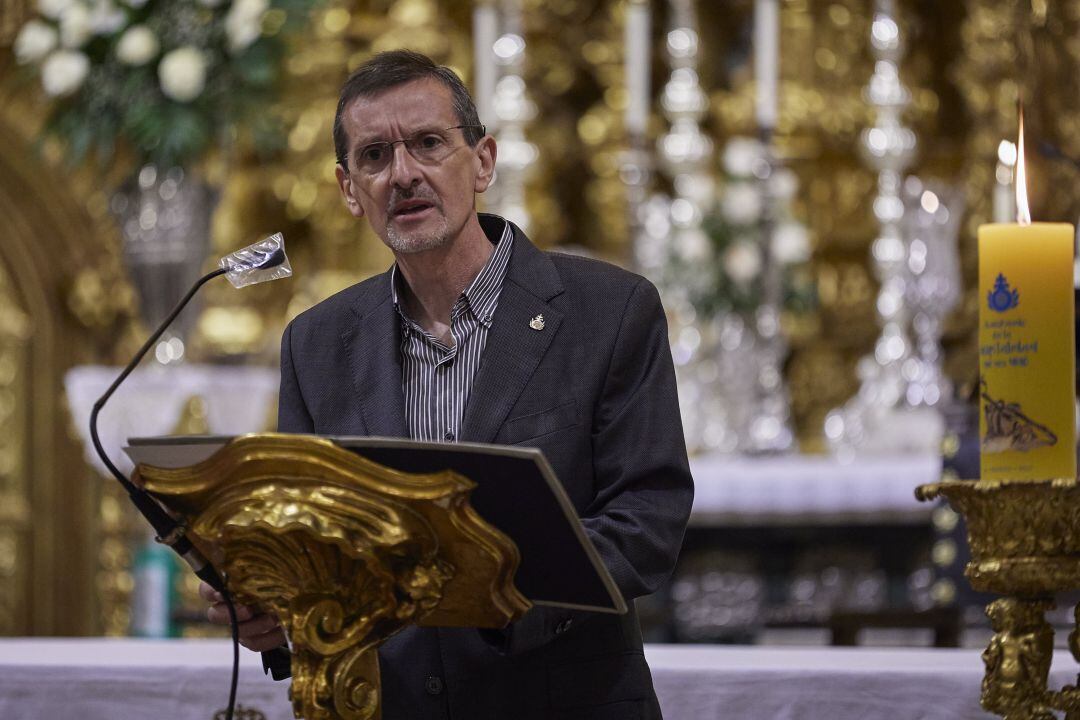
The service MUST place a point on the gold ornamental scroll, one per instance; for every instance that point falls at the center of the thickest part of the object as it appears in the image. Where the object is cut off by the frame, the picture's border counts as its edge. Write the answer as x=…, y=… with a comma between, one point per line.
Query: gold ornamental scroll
x=345, y=552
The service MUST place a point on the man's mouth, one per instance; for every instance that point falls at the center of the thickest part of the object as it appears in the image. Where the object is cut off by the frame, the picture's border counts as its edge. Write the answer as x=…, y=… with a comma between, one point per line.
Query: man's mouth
x=411, y=207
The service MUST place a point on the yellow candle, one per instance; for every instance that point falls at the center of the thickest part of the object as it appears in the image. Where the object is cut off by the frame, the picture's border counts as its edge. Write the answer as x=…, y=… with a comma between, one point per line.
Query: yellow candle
x=1026, y=357
x=1027, y=423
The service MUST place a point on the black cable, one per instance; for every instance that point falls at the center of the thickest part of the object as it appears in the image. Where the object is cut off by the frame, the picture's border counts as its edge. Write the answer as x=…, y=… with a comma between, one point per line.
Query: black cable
x=130, y=367
x=170, y=531
x=235, y=624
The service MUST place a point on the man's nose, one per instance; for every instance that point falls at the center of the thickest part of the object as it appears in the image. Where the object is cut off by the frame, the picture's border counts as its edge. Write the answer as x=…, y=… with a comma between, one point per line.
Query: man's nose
x=404, y=169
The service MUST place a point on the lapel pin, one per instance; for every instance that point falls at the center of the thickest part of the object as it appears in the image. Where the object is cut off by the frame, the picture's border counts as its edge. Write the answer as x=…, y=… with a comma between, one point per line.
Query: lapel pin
x=537, y=323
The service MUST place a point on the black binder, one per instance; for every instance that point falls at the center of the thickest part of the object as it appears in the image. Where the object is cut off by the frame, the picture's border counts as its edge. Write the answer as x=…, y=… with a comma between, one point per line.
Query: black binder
x=517, y=492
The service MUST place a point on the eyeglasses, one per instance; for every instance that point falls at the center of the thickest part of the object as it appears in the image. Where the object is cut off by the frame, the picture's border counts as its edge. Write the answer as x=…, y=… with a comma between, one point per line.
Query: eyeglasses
x=429, y=147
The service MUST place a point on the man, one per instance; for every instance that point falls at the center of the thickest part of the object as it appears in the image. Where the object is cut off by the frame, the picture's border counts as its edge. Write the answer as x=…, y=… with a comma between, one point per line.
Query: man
x=476, y=335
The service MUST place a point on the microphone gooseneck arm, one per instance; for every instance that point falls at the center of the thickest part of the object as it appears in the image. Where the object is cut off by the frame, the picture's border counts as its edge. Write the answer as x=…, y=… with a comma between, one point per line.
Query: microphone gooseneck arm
x=169, y=531
x=243, y=268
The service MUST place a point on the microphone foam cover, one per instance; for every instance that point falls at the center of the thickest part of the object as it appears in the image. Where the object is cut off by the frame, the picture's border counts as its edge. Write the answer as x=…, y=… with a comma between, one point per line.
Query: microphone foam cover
x=260, y=262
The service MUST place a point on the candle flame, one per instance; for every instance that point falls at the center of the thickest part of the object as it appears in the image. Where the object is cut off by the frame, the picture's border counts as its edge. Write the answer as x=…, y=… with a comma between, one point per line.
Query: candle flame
x=1023, y=212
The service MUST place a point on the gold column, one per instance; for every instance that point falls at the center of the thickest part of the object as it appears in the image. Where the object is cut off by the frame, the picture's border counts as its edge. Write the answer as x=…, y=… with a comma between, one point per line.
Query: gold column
x=15, y=522
x=62, y=303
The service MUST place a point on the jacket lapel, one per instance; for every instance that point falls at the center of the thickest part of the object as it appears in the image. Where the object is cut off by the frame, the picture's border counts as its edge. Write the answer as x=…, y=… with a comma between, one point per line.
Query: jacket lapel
x=373, y=347
x=514, y=348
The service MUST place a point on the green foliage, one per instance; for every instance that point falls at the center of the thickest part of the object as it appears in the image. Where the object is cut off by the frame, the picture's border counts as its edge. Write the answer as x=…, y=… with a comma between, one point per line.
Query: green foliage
x=720, y=292
x=726, y=273
x=119, y=105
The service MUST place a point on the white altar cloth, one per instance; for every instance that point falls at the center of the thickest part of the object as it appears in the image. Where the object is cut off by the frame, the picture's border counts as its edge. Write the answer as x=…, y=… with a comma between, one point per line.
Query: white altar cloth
x=810, y=489
x=812, y=683
x=122, y=679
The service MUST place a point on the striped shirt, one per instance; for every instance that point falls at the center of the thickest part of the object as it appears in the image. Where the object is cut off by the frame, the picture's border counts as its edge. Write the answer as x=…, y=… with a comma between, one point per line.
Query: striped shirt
x=437, y=379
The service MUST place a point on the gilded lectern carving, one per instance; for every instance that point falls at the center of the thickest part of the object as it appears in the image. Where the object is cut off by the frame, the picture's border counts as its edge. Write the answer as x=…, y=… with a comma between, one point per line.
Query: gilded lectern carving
x=345, y=552
x=1025, y=545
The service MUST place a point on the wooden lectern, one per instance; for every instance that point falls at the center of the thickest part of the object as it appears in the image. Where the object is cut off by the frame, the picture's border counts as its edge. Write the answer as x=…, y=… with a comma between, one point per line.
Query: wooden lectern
x=346, y=551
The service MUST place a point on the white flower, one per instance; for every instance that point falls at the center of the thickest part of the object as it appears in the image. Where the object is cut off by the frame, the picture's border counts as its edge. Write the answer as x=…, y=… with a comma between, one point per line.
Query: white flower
x=243, y=23
x=53, y=8
x=35, y=41
x=791, y=243
x=182, y=73
x=693, y=245
x=75, y=28
x=137, y=46
x=740, y=156
x=742, y=262
x=784, y=183
x=106, y=18
x=63, y=72
x=741, y=203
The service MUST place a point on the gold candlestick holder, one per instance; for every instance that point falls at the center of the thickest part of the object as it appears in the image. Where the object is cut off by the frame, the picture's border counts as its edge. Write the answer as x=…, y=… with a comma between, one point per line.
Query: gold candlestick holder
x=1025, y=545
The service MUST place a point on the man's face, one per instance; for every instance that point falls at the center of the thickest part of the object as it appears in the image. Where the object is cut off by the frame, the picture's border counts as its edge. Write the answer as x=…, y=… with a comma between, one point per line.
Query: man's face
x=412, y=204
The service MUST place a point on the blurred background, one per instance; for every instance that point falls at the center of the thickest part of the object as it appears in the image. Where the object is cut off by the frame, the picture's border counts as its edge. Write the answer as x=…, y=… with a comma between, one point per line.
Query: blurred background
x=802, y=180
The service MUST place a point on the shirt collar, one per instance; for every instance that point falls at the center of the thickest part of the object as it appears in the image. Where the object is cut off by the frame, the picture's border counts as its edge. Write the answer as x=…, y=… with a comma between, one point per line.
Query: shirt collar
x=482, y=295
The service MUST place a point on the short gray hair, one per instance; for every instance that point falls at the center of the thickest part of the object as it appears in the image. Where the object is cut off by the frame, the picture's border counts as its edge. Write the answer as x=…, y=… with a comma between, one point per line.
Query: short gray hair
x=397, y=67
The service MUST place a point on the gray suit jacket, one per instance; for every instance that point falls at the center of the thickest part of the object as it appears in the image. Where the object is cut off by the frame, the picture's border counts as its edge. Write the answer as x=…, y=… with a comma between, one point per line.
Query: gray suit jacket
x=595, y=390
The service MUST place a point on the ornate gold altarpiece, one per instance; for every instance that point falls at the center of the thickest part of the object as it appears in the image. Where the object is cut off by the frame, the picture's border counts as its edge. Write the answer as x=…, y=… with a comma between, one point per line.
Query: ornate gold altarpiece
x=63, y=299
x=62, y=303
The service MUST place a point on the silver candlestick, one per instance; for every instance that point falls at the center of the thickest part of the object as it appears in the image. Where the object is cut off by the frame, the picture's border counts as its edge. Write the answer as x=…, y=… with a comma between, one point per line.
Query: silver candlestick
x=686, y=156
x=769, y=427
x=485, y=70
x=635, y=171
x=513, y=110
x=932, y=224
x=874, y=418
x=635, y=163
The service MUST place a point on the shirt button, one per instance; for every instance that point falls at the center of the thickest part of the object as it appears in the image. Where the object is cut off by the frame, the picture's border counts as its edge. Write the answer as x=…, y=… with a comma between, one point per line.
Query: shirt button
x=433, y=685
x=449, y=435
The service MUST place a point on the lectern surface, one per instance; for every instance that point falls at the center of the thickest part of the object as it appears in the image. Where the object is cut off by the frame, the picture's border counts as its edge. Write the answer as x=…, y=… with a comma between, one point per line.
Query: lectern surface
x=517, y=492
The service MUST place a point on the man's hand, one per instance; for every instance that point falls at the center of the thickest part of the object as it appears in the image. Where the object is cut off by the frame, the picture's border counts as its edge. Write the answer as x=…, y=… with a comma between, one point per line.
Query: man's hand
x=258, y=631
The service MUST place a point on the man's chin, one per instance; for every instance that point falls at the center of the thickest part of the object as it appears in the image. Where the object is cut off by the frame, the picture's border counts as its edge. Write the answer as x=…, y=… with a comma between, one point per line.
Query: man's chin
x=416, y=241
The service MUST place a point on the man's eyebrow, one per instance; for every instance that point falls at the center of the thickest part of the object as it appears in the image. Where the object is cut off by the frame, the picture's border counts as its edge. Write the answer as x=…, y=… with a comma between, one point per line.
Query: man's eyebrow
x=376, y=139
x=372, y=140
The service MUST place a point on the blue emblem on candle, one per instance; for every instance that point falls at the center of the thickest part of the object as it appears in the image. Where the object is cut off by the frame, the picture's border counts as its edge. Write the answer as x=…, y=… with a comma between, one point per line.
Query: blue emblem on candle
x=1002, y=297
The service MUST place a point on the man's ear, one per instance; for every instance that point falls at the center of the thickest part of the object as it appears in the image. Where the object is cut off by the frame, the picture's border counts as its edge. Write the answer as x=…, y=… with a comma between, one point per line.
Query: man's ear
x=486, y=153
x=345, y=183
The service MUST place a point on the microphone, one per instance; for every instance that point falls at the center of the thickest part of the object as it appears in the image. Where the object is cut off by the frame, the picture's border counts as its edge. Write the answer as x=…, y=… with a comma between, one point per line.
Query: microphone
x=261, y=262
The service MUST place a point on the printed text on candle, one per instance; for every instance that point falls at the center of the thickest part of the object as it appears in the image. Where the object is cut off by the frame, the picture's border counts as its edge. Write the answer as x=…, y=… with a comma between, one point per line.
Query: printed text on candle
x=1006, y=349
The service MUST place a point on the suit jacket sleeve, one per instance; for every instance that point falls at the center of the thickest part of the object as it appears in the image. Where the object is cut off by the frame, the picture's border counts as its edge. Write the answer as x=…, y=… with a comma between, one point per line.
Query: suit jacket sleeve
x=293, y=415
x=642, y=476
